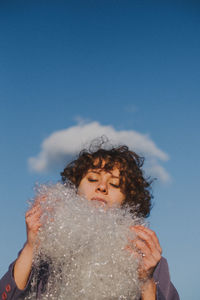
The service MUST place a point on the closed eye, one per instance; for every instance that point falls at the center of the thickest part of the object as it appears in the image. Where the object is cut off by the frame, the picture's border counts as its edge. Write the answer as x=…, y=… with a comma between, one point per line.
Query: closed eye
x=114, y=185
x=92, y=180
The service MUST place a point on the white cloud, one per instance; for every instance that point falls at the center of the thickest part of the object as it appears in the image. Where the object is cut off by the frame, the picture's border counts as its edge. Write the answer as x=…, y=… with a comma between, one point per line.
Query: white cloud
x=63, y=145
x=157, y=171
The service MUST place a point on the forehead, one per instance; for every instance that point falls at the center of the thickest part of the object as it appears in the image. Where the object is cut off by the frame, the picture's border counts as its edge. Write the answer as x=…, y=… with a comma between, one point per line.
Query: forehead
x=114, y=172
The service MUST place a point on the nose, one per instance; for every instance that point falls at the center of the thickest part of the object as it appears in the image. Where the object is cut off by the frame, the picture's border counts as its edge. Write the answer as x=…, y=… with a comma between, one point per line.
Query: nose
x=102, y=187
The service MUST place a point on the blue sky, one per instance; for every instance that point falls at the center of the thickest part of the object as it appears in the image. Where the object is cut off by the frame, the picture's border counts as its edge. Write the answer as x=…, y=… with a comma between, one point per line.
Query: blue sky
x=130, y=65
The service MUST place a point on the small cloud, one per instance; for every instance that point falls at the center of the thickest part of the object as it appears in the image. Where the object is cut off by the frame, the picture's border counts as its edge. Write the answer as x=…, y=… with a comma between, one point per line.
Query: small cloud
x=131, y=108
x=80, y=120
x=61, y=146
x=157, y=171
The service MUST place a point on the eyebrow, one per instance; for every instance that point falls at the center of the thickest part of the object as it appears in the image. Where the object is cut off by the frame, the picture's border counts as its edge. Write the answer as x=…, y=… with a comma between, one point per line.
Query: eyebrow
x=98, y=172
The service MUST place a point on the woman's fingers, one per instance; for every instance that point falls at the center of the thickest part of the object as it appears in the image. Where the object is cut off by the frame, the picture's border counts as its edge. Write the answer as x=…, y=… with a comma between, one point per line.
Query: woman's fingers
x=33, y=223
x=147, y=247
x=148, y=236
x=148, y=259
x=142, y=248
x=40, y=199
x=34, y=211
x=33, y=216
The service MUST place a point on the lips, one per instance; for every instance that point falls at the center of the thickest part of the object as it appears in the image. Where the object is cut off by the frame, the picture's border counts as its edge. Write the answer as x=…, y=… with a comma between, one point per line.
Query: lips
x=99, y=199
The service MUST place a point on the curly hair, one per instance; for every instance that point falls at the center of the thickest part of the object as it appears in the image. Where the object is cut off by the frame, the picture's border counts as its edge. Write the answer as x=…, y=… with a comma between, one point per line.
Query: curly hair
x=132, y=182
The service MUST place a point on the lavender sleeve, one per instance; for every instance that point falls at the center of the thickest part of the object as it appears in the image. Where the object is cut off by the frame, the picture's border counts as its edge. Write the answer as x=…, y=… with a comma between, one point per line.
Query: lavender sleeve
x=8, y=287
x=165, y=290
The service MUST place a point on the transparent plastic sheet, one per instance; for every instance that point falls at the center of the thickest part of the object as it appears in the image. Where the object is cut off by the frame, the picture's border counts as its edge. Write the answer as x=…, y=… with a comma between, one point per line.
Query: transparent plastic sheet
x=84, y=246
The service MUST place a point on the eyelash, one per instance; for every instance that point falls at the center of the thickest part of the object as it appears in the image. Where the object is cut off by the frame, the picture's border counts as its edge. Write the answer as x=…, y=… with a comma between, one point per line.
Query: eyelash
x=114, y=185
x=95, y=180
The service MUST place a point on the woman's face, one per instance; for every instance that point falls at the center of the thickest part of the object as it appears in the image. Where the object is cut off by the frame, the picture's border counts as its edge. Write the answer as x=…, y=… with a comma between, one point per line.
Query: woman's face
x=102, y=186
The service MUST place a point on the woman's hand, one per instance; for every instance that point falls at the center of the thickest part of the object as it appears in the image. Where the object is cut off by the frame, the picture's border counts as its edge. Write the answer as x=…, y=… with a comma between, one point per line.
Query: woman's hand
x=146, y=246
x=33, y=222
x=23, y=264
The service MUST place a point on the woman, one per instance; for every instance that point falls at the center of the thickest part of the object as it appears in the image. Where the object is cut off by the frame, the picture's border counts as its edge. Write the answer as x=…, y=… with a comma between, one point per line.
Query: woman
x=113, y=178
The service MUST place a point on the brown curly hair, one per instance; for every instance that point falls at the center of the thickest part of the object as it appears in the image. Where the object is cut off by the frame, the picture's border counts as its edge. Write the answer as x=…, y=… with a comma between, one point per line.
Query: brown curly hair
x=132, y=182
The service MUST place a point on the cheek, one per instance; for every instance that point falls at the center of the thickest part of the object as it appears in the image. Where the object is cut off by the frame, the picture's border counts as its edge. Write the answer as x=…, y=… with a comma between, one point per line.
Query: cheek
x=85, y=190
x=122, y=198
x=118, y=197
x=80, y=190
